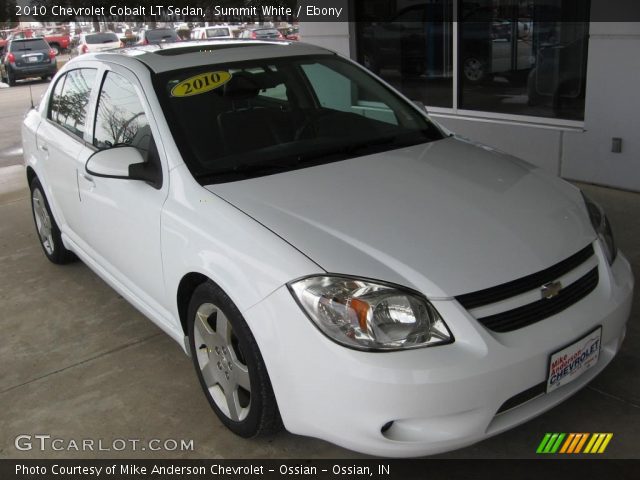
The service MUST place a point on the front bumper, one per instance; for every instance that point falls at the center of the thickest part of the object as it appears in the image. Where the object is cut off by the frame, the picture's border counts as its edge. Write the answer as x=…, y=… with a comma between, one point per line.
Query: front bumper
x=438, y=398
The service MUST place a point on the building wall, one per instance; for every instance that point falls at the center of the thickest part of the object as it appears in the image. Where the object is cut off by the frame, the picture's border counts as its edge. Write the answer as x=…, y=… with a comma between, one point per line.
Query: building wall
x=574, y=151
x=612, y=110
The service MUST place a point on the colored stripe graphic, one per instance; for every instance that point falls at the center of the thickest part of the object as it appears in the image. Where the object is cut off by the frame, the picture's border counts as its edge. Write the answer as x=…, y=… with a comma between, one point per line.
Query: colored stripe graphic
x=598, y=442
x=544, y=441
x=594, y=437
x=573, y=443
x=550, y=443
x=567, y=442
x=582, y=441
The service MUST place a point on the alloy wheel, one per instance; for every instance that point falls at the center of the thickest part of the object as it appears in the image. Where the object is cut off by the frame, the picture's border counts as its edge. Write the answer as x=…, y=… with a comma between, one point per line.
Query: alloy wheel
x=43, y=221
x=221, y=362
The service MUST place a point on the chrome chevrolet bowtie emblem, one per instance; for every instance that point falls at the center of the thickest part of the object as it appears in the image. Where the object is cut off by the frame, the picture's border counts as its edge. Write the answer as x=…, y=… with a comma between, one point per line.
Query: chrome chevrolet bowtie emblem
x=551, y=289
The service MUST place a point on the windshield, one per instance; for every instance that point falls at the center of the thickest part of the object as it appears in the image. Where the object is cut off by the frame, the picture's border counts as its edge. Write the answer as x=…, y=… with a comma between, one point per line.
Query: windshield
x=248, y=119
x=102, y=38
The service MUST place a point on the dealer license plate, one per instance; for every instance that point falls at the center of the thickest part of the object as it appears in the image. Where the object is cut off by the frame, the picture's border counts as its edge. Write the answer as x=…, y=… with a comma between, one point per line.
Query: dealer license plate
x=569, y=363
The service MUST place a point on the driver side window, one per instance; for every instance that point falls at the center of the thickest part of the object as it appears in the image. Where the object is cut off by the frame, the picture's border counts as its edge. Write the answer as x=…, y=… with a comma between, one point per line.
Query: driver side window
x=120, y=117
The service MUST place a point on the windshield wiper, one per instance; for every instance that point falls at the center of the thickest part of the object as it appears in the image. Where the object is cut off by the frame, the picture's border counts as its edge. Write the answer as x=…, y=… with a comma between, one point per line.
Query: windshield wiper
x=298, y=160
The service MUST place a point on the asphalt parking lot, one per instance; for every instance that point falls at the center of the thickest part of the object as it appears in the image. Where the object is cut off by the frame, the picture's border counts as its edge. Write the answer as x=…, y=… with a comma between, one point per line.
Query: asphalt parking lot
x=78, y=362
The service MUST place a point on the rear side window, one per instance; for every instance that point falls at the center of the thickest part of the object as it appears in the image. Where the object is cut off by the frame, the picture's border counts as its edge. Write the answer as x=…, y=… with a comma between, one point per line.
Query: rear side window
x=29, y=44
x=120, y=118
x=56, y=101
x=271, y=32
x=70, y=100
x=217, y=32
x=101, y=38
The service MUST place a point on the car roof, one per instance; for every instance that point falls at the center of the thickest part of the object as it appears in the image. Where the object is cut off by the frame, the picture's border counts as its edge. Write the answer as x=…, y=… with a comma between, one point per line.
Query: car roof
x=179, y=55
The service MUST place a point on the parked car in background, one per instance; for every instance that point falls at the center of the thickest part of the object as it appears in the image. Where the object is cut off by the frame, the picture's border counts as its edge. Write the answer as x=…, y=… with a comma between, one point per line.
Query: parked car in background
x=129, y=37
x=26, y=58
x=58, y=41
x=211, y=33
x=292, y=33
x=96, y=42
x=157, y=35
x=261, y=33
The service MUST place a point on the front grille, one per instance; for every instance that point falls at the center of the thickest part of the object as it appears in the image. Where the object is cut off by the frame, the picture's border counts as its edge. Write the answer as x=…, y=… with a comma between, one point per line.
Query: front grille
x=528, y=314
x=524, y=284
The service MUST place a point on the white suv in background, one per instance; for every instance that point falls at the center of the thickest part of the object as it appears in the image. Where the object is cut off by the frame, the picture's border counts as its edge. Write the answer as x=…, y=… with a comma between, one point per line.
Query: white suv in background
x=332, y=259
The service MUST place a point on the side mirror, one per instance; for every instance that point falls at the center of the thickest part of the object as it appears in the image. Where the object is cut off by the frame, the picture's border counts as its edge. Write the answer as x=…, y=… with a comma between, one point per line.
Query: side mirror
x=114, y=162
x=125, y=163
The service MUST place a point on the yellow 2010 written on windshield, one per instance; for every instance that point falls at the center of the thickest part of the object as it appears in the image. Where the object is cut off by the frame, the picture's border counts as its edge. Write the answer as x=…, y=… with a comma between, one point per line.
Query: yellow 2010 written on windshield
x=201, y=83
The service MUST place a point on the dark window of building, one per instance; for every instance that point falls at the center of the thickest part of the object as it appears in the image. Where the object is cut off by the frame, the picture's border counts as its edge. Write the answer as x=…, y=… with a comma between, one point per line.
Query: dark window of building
x=523, y=58
x=412, y=51
x=519, y=57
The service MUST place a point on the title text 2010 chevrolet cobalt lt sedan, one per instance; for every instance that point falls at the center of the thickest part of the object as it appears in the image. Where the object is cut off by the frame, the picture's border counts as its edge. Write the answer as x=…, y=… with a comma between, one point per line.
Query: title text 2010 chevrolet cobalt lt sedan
x=332, y=259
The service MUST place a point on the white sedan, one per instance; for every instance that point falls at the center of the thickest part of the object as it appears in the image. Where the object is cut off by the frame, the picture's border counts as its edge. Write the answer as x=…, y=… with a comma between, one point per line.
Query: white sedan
x=332, y=259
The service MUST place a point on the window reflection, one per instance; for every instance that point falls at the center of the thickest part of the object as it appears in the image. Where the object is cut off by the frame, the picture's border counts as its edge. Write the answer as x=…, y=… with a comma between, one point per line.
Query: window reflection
x=70, y=100
x=513, y=60
x=412, y=51
x=521, y=57
x=121, y=119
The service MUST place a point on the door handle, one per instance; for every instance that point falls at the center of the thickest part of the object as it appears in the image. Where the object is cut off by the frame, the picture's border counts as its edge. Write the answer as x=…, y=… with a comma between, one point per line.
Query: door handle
x=44, y=147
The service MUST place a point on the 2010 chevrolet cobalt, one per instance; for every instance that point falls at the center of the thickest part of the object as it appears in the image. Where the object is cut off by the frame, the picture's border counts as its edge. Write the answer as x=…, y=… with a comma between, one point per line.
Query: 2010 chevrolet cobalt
x=332, y=259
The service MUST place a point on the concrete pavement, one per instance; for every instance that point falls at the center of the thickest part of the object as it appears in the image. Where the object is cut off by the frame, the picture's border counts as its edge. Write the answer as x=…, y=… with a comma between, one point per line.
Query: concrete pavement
x=15, y=102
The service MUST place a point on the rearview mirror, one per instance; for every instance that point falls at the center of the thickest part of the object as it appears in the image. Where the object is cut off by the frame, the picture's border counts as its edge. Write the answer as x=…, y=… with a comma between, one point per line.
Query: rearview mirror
x=114, y=162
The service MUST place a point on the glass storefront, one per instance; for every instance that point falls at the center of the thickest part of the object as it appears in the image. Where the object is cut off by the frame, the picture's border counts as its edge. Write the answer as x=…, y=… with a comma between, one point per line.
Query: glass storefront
x=413, y=51
x=519, y=57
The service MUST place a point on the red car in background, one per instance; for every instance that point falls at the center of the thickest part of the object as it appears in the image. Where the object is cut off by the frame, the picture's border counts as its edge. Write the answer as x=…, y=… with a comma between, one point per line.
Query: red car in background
x=59, y=41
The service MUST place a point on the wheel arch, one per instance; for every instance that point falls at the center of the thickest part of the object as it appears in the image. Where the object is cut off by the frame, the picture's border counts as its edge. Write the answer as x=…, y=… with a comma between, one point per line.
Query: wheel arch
x=186, y=287
x=31, y=174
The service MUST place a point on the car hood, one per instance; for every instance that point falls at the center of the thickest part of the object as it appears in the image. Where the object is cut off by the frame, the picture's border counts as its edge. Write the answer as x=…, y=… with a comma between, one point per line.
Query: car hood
x=446, y=218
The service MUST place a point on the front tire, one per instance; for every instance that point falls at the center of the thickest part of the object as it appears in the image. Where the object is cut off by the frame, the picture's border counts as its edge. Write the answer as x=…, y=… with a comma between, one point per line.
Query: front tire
x=229, y=365
x=47, y=228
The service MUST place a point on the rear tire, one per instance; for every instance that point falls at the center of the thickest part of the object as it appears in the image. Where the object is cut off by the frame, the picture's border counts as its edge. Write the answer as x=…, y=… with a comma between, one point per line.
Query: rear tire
x=229, y=365
x=47, y=228
x=11, y=79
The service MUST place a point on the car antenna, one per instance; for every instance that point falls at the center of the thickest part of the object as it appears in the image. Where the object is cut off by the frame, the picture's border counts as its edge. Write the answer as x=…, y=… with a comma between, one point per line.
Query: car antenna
x=31, y=97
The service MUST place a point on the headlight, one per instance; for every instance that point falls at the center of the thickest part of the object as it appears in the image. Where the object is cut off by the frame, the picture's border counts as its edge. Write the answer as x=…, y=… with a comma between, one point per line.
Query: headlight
x=369, y=316
x=602, y=227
